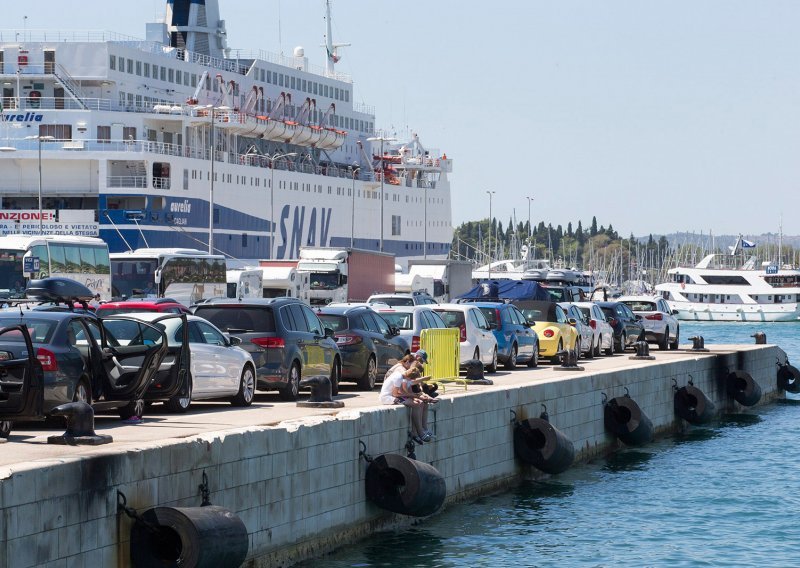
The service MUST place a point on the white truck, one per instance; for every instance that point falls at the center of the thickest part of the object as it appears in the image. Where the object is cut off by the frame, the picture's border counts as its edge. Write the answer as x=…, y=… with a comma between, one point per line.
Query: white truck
x=281, y=278
x=345, y=274
x=451, y=278
x=413, y=283
x=244, y=283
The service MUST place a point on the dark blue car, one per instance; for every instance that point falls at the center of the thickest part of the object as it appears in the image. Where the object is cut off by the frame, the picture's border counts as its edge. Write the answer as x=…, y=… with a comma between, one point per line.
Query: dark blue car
x=516, y=341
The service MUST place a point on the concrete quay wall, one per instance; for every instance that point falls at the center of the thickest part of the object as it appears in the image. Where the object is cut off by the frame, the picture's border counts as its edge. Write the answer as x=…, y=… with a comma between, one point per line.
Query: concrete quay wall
x=299, y=486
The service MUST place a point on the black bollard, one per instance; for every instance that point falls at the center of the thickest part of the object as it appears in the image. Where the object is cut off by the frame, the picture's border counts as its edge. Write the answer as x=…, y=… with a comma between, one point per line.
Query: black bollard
x=698, y=343
x=760, y=337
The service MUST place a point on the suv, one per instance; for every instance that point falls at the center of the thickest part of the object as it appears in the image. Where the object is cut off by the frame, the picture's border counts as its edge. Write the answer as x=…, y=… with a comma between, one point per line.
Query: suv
x=285, y=338
x=516, y=341
x=417, y=298
x=163, y=305
x=627, y=326
x=660, y=325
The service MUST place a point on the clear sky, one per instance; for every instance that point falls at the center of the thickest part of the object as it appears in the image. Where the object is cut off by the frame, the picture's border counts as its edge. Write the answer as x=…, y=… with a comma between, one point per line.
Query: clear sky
x=653, y=116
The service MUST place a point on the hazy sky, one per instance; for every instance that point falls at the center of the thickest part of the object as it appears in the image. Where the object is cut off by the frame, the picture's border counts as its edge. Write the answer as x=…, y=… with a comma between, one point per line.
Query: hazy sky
x=653, y=116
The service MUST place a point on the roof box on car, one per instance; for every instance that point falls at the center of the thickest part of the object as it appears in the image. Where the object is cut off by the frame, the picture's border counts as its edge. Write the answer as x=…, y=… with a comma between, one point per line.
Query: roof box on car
x=58, y=290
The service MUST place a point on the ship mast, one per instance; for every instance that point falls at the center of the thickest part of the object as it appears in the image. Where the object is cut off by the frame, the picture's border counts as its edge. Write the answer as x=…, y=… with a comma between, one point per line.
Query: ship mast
x=331, y=49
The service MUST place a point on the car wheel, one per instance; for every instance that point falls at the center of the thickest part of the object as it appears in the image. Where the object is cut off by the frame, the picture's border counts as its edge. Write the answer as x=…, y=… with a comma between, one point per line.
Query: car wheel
x=554, y=358
x=619, y=346
x=674, y=344
x=609, y=351
x=247, y=388
x=598, y=347
x=82, y=392
x=292, y=388
x=512, y=358
x=181, y=404
x=367, y=381
x=534, y=360
x=5, y=428
x=590, y=352
x=492, y=368
x=578, y=348
x=663, y=345
x=336, y=374
x=133, y=408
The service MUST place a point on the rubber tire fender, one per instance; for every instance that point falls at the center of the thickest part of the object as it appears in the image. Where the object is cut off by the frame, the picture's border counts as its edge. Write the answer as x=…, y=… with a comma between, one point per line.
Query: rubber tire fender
x=789, y=378
x=626, y=420
x=693, y=405
x=542, y=445
x=744, y=388
x=402, y=485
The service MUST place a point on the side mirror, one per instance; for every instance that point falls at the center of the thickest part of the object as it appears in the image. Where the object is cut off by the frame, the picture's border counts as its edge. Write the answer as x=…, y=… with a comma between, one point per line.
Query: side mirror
x=329, y=332
x=639, y=318
x=394, y=331
x=492, y=326
x=674, y=312
x=573, y=322
x=234, y=340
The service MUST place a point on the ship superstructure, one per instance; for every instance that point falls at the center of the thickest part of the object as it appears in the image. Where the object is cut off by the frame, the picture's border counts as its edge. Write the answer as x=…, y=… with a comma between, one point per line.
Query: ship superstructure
x=153, y=142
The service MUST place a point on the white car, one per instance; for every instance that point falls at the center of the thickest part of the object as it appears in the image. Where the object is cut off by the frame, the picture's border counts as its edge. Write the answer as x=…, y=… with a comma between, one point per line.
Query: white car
x=586, y=345
x=410, y=321
x=219, y=368
x=660, y=325
x=603, y=332
x=416, y=298
x=477, y=339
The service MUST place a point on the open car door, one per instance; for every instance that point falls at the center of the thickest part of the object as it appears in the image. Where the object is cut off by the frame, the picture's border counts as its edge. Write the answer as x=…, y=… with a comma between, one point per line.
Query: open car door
x=131, y=354
x=21, y=380
x=172, y=378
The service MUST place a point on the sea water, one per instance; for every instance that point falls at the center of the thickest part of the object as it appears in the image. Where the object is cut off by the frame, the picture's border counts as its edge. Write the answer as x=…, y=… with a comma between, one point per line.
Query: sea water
x=723, y=495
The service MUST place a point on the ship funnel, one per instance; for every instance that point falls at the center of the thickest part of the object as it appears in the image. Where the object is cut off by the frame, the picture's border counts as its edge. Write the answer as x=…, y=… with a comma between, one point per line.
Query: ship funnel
x=195, y=25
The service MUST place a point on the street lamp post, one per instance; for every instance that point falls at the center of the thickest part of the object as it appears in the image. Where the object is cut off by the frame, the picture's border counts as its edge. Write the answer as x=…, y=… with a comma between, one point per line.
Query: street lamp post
x=39, y=138
x=490, y=231
x=211, y=188
x=381, y=139
x=276, y=156
x=530, y=229
x=353, y=215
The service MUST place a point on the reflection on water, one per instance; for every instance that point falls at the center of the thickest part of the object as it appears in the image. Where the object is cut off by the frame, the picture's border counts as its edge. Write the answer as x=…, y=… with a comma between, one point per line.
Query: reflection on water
x=627, y=460
x=694, y=435
x=739, y=420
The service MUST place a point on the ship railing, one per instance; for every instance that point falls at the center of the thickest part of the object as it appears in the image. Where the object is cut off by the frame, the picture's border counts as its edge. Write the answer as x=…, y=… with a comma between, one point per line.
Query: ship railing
x=127, y=181
x=61, y=36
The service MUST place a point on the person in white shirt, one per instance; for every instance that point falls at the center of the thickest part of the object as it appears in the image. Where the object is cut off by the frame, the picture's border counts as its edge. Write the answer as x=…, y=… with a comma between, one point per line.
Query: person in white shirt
x=396, y=389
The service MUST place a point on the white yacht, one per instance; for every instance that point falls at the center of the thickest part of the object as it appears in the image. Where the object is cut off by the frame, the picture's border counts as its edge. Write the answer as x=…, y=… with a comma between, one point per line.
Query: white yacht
x=178, y=140
x=721, y=288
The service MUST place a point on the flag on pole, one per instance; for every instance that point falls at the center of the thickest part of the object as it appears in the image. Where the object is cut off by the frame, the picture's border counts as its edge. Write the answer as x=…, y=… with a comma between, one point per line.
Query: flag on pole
x=748, y=244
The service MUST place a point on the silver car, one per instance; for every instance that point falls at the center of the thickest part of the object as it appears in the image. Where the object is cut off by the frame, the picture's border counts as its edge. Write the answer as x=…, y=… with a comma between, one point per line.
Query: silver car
x=660, y=325
x=410, y=321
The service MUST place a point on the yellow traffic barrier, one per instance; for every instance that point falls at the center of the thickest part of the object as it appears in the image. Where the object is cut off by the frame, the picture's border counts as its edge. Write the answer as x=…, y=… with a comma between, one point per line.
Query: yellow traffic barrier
x=444, y=353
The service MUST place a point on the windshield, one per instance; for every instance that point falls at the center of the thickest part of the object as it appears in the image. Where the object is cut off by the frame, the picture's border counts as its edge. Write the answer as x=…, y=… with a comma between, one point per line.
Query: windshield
x=12, y=283
x=116, y=311
x=399, y=320
x=334, y=322
x=395, y=301
x=241, y=319
x=324, y=280
x=133, y=278
x=41, y=331
x=641, y=305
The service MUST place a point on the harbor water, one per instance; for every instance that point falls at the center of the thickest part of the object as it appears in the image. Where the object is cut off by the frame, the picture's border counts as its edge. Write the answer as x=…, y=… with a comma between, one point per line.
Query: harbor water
x=721, y=495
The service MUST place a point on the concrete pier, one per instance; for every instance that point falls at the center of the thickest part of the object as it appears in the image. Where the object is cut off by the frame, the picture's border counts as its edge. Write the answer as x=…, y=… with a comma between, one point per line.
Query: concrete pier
x=294, y=476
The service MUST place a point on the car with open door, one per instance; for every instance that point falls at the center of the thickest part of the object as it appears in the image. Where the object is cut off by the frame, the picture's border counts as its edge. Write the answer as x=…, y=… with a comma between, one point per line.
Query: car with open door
x=80, y=359
x=21, y=382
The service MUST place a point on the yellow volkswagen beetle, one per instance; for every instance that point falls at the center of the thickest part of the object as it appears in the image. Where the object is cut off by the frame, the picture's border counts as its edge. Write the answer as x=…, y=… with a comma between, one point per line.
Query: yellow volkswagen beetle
x=556, y=332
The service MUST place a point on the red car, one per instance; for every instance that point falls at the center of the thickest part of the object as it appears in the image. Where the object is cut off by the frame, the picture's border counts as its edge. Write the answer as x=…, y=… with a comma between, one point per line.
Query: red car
x=164, y=305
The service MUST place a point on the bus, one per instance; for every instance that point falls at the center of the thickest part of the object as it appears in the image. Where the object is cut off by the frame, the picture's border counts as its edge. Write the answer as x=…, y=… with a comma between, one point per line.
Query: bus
x=84, y=259
x=186, y=275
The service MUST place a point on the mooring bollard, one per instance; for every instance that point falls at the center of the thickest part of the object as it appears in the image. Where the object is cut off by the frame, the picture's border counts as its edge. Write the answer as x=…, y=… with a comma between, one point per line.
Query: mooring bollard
x=761, y=337
x=569, y=360
x=698, y=343
x=642, y=351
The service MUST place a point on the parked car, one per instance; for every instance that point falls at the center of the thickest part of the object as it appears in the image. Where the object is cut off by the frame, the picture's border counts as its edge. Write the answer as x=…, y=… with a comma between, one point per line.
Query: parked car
x=410, y=321
x=368, y=344
x=402, y=299
x=585, y=344
x=283, y=335
x=627, y=326
x=516, y=341
x=660, y=324
x=22, y=375
x=603, y=332
x=552, y=326
x=161, y=305
x=219, y=368
x=81, y=360
x=476, y=338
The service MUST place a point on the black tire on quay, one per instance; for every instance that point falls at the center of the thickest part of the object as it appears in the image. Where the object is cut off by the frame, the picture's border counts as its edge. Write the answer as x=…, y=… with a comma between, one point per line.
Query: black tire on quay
x=692, y=405
x=201, y=537
x=542, y=445
x=405, y=486
x=789, y=378
x=744, y=389
x=624, y=419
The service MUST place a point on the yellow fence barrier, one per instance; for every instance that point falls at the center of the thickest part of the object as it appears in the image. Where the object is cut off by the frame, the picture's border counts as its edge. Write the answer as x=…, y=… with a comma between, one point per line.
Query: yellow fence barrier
x=444, y=354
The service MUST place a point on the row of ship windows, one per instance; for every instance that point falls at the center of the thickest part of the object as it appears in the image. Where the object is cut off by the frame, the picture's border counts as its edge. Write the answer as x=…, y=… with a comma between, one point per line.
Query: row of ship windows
x=736, y=299
x=297, y=186
x=409, y=246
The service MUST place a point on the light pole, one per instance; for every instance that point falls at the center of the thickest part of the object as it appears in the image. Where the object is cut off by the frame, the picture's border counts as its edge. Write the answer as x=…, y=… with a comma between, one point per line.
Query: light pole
x=39, y=138
x=381, y=139
x=353, y=216
x=425, y=233
x=490, y=232
x=211, y=187
x=276, y=156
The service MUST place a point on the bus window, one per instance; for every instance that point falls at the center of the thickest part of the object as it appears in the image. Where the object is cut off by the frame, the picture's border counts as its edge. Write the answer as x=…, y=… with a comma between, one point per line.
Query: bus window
x=102, y=263
x=40, y=251
x=73, y=255
x=87, y=260
x=58, y=261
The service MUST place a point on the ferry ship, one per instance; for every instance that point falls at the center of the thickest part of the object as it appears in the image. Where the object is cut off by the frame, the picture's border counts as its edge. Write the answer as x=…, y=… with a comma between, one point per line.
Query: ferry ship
x=170, y=141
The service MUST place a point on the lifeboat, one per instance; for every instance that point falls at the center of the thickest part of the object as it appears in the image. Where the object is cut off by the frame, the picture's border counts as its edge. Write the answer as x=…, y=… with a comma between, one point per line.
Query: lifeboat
x=387, y=159
x=302, y=135
x=331, y=139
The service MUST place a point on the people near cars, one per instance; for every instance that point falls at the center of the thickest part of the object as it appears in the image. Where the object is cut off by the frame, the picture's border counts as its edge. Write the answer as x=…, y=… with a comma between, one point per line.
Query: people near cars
x=397, y=389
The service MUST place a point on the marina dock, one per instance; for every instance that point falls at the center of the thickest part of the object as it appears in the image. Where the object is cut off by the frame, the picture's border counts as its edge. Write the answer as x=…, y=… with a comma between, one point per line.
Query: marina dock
x=296, y=476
